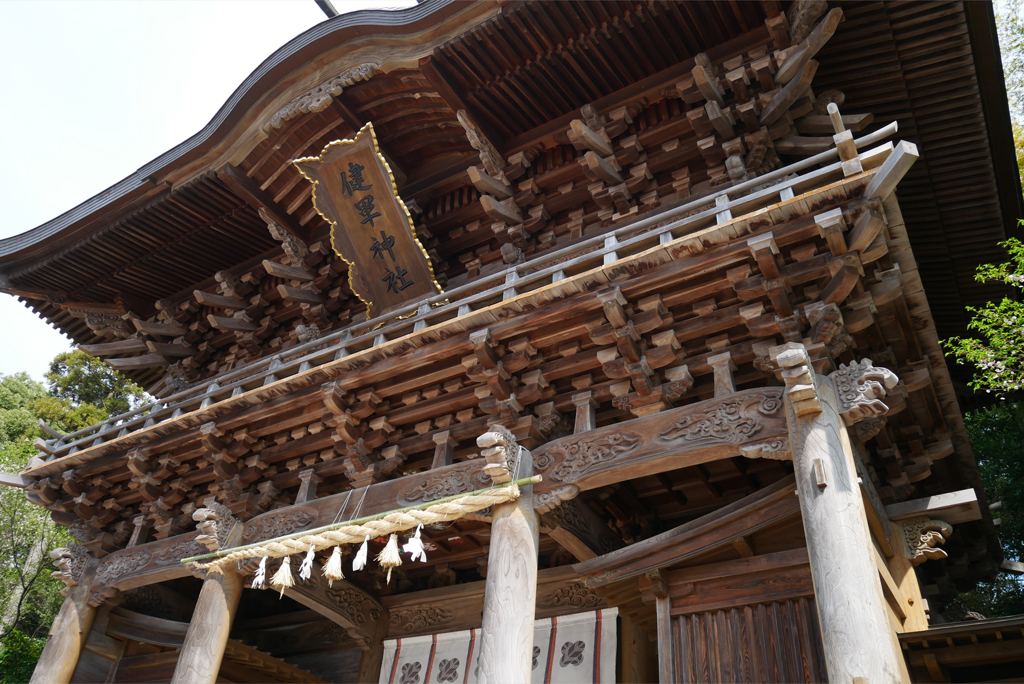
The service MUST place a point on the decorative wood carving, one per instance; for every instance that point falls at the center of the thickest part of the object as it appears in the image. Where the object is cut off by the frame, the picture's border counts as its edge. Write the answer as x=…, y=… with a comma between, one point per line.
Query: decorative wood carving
x=319, y=98
x=860, y=387
x=102, y=321
x=278, y=524
x=215, y=523
x=419, y=619
x=922, y=536
x=71, y=562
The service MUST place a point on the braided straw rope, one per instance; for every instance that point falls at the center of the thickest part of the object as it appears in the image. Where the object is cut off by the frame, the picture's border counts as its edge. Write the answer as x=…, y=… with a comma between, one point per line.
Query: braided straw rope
x=397, y=521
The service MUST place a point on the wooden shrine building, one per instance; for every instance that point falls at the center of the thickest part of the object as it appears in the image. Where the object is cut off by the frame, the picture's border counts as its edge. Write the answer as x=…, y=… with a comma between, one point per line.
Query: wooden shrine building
x=687, y=264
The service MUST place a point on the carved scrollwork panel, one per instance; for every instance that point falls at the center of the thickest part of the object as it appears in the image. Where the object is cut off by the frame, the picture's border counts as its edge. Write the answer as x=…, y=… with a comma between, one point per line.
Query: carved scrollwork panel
x=733, y=419
x=277, y=524
x=420, y=618
x=449, y=482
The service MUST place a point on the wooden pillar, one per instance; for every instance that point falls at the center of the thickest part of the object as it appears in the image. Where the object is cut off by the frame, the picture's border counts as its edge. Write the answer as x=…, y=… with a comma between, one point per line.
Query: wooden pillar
x=370, y=662
x=510, y=594
x=858, y=640
x=207, y=635
x=666, y=643
x=71, y=627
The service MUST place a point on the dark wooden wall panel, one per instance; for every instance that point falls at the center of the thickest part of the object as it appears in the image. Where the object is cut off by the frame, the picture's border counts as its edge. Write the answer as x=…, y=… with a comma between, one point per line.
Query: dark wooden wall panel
x=768, y=642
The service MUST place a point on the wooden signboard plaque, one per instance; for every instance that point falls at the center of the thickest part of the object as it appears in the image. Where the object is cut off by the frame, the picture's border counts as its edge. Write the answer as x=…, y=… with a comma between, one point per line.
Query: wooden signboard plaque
x=371, y=229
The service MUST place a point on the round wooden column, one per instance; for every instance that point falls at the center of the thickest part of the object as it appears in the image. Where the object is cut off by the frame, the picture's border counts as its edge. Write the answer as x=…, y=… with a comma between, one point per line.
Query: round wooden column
x=207, y=635
x=510, y=594
x=855, y=629
x=68, y=633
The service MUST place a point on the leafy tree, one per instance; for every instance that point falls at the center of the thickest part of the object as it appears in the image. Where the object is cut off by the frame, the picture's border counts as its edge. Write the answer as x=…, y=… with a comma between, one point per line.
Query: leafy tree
x=999, y=357
x=83, y=379
x=18, y=657
x=997, y=436
x=82, y=391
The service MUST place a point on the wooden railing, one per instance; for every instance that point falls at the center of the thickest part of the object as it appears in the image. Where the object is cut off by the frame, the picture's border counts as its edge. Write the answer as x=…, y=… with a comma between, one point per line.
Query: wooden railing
x=584, y=255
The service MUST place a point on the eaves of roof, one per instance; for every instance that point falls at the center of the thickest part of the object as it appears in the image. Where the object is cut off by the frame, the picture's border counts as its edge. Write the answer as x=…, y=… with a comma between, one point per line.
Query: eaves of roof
x=291, y=55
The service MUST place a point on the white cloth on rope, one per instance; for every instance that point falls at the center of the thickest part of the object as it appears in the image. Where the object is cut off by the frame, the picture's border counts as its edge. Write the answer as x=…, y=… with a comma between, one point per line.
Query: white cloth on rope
x=259, y=581
x=359, y=562
x=414, y=547
x=306, y=569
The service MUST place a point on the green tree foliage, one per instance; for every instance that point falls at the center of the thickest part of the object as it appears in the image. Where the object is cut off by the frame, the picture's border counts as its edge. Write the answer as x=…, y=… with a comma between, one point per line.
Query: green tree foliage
x=82, y=391
x=997, y=437
x=82, y=379
x=18, y=657
x=999, y=356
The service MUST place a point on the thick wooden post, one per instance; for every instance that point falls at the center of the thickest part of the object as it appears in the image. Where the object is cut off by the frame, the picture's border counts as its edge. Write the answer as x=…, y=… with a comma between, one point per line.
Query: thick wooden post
x=207, y=635
x=857, y=635
x=510, y=594
x=71, y=627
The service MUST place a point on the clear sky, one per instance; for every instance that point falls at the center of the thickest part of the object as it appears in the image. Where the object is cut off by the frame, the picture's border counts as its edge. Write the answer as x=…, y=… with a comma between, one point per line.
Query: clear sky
x=104, y=87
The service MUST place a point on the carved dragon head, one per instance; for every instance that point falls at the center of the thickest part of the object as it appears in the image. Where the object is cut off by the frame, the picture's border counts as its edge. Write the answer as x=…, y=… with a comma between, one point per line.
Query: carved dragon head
x=71, y=561
x=215, y=524
x=860, y=387
x=501, y=450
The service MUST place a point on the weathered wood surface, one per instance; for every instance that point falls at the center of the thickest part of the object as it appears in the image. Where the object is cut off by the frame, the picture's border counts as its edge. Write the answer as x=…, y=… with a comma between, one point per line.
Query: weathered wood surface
x=778, y=641
x=856, y=632
x=697, y=433
x=203, y=648
x=510, y=593
x=258, y=666
x=764, y=508
x=67, y=633
x=951, y=507
x=343, y=603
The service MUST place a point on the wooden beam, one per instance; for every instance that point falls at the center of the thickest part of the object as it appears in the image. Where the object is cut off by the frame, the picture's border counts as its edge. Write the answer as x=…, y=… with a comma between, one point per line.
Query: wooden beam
x=161, y=329
x=231, y=324
x=219, y=301
x=288, y=272
x=111, y=348
x=248, y=191
x=344, y=604
x=134, y=362
x=166, y=349
x=444, y=86
x=14, y=480
x=808, y=47
x=891, y=172
x=788, y=94
x=952, y=507
x=760, y=510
